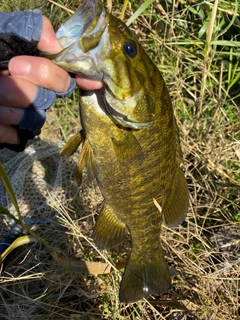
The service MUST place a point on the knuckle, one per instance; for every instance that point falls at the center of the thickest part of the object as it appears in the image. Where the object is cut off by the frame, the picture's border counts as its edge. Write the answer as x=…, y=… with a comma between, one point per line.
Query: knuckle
x=45, y=69
x=52, y=77
x=4, y=135
x=8, y=135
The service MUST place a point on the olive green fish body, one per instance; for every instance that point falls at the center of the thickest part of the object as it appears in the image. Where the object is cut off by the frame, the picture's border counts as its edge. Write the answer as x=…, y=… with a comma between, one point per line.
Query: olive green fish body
x=131, y=147
x=123, y=185
x=132, y=167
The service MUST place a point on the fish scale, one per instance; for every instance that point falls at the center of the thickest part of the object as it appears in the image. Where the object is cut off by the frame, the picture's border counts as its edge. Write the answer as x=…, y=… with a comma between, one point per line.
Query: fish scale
x=130, y=144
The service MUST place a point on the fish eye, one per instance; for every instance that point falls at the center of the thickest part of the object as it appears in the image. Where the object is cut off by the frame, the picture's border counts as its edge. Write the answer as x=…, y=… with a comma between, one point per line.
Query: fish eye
x=130, y=49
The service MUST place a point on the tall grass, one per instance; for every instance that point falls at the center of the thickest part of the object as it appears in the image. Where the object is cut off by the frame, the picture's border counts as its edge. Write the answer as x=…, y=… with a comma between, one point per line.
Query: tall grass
x=196, y=45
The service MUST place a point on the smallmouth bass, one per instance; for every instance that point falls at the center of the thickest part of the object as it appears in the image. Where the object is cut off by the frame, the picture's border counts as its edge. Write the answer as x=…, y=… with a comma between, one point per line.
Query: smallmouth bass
x=130, y=143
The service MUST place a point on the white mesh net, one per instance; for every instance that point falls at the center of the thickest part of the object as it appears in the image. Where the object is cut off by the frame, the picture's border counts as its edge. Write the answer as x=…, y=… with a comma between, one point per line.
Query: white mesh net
x=38, y=176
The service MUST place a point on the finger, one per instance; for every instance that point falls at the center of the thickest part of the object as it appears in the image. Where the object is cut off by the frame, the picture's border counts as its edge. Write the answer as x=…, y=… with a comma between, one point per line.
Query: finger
x=10, y=116
x=41, y=72
x=48, y=41
x=87, y=84
x=8, y=135
x=16, y=92
x=4, y=73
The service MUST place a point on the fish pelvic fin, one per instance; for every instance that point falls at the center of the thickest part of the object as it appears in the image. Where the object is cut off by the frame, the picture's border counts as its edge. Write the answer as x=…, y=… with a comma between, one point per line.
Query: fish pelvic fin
x=142, y=279
x=72, y=144
x=176, y=204
x=86, y=159
x=109, y=231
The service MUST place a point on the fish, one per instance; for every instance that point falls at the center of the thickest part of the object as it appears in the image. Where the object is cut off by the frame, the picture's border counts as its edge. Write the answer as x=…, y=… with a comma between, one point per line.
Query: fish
x=130, y=144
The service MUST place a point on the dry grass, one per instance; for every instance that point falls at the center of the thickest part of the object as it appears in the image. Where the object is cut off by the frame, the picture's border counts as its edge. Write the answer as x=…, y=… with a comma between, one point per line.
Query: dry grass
x=204, y=252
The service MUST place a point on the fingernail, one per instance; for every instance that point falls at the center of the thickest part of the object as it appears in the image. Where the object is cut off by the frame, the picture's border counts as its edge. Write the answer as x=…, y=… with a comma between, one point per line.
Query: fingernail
x=19, y=66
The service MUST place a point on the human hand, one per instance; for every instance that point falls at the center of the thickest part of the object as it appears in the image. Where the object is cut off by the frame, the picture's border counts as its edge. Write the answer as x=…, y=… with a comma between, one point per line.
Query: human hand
x=18, y=84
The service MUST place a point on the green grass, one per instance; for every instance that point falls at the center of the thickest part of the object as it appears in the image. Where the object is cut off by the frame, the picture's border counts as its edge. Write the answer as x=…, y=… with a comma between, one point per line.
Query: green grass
x=197, y=49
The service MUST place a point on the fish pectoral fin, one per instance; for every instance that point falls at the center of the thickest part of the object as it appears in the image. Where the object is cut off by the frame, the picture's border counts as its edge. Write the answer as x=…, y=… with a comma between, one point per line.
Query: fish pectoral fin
x=176, y=204
x=127, y=148
x=86, y=160
x=109, y=231
x=72, y=144
x=144, y=276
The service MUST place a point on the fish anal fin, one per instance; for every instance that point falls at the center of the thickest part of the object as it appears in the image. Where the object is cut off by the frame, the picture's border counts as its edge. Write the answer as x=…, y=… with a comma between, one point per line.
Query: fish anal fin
x=109, y=231
x=86, y=160
x=127, y=147
x=176, y=204
x=142, y=279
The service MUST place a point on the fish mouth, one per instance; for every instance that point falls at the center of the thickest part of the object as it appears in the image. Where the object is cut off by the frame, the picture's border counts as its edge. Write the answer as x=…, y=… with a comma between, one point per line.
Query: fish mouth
x=79, y=35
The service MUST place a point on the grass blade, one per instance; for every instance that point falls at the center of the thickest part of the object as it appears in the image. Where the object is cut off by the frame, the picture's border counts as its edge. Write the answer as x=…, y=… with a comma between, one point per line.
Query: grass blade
x=7, y=184
x=139, y=11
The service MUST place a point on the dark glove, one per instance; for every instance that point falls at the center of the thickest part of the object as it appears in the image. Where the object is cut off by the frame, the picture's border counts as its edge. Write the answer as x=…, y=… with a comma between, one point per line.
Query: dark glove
x=12, y=45
x=19, y=35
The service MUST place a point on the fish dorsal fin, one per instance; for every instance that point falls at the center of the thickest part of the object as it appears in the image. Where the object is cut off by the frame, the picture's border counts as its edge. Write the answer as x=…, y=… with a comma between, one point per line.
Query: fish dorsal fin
x=109, y=231
x=175, y=205
x=127, y=147
x=86, y=160
x=72, y=144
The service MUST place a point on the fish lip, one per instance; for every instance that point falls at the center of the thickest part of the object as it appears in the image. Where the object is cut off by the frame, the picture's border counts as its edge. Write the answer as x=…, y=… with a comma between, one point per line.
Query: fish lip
x=79, y=65
x=110, y=111
x=117, y=117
